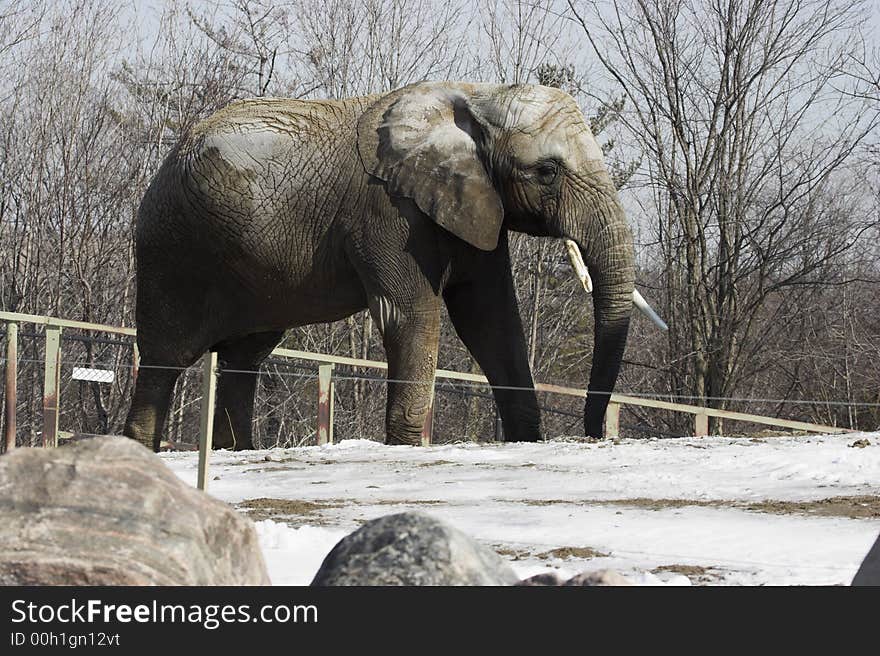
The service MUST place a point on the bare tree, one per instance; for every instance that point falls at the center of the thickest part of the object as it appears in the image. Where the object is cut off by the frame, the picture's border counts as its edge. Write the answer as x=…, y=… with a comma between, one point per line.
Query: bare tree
x=358, y=47
x=257, y=35
x=744, y=133
x=746, y=141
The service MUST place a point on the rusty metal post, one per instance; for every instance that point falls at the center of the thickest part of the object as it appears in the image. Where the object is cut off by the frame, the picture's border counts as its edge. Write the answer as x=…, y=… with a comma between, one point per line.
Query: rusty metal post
x=428, y=428
x=325, y=404
x=701, y=424
x=206, y=420
x=612, y=421
x=11, y=395
x=135, y=363
x=52, y=386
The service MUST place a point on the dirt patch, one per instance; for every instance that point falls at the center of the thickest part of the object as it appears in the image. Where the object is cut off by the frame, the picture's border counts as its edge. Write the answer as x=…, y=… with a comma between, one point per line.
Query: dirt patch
x=853, y=507
x=860, y=444
x=561, y=553
x=297, y=512
x=638, y=502
x=294, y=512
x=665, y=504
x=564, y=553
x=512, y=554
x=550, y=502
x=438, y=463
x=693, y=572
x=400, y=502
x=767, y=433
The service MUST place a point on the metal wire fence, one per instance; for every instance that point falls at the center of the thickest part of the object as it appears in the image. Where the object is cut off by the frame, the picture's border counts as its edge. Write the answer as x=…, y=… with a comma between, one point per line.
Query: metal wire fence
x=96, y=375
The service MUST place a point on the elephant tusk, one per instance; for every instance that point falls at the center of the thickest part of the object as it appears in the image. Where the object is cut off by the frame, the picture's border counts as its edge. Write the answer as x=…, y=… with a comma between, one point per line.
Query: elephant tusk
x=648, y=311
x=580, y=268
x=577, y=263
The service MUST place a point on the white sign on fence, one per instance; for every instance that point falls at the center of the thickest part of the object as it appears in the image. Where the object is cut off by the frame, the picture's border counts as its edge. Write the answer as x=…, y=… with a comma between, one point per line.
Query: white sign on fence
x=97, y=375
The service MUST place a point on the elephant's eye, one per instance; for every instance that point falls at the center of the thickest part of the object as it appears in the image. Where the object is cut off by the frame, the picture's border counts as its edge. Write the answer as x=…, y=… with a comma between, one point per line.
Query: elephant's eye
x=546, y=171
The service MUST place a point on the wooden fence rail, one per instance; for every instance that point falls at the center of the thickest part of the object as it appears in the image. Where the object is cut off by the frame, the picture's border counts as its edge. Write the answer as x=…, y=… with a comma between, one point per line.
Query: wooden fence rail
x=326, y=365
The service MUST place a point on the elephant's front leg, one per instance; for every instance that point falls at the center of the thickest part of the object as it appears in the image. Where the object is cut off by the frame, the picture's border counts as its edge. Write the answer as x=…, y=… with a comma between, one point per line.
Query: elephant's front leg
x=410, y=333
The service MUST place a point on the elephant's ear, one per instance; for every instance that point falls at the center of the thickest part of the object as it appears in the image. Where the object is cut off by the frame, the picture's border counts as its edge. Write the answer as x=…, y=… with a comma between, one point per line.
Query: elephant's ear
x=424, y=142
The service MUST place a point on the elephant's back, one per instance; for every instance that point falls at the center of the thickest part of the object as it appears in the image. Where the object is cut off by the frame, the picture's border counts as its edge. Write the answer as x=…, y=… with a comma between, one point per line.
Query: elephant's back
x=246, y=199
x=249, y=141
x=256, y=162
x=284, y=119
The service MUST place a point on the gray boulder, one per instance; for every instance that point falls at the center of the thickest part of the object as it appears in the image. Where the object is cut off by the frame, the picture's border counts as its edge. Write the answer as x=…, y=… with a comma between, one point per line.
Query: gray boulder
x=412, y=549
x=598, y=578
x=542, y=579
x=108, y=511
x=869, y=572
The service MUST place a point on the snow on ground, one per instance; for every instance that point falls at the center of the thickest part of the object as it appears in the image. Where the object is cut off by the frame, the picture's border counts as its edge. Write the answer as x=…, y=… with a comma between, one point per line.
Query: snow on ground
x=675, y=511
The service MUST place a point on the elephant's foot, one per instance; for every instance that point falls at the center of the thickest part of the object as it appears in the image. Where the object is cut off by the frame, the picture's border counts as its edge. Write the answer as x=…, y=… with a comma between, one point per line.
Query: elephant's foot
x=138, y=435
x=409, y=438
x=408, y=434
x=227, y=437
x=149, y=407
x=519, y=431
x=523, y=436
x=520, y=416
x=405, y=425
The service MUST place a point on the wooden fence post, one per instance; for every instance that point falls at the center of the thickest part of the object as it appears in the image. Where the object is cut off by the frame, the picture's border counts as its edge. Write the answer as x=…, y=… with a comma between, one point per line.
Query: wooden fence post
x=428, y=428
x=135, y=364
x=612, y=421
x=499, y=426
x=206, y=422
x=701, y=424
x=11, y=395
x=325, y=404
x=51, y=386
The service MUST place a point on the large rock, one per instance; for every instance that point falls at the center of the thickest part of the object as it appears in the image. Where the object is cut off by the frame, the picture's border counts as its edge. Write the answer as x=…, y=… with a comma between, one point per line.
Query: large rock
x=412, y=549
x=598, y=578
x=869, y=572
x=108, y=512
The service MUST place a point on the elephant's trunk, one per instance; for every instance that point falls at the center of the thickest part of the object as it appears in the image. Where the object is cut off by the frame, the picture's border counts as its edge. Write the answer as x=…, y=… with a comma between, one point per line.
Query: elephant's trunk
x=608, y=254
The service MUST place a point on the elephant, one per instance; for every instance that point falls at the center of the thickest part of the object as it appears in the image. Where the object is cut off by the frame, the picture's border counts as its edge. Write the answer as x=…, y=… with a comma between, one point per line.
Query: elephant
x=276, y=213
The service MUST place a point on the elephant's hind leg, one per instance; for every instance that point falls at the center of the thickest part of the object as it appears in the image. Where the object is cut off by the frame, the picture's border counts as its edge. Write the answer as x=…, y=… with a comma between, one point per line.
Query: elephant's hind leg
x=239, y=360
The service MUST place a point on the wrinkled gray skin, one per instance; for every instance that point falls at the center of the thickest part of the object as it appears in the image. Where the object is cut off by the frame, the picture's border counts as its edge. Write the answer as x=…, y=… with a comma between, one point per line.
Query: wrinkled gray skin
x=277, y=213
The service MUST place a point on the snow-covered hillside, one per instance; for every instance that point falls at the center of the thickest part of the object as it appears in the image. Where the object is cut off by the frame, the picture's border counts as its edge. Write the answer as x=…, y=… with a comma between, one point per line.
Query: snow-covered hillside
x=699, y=510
